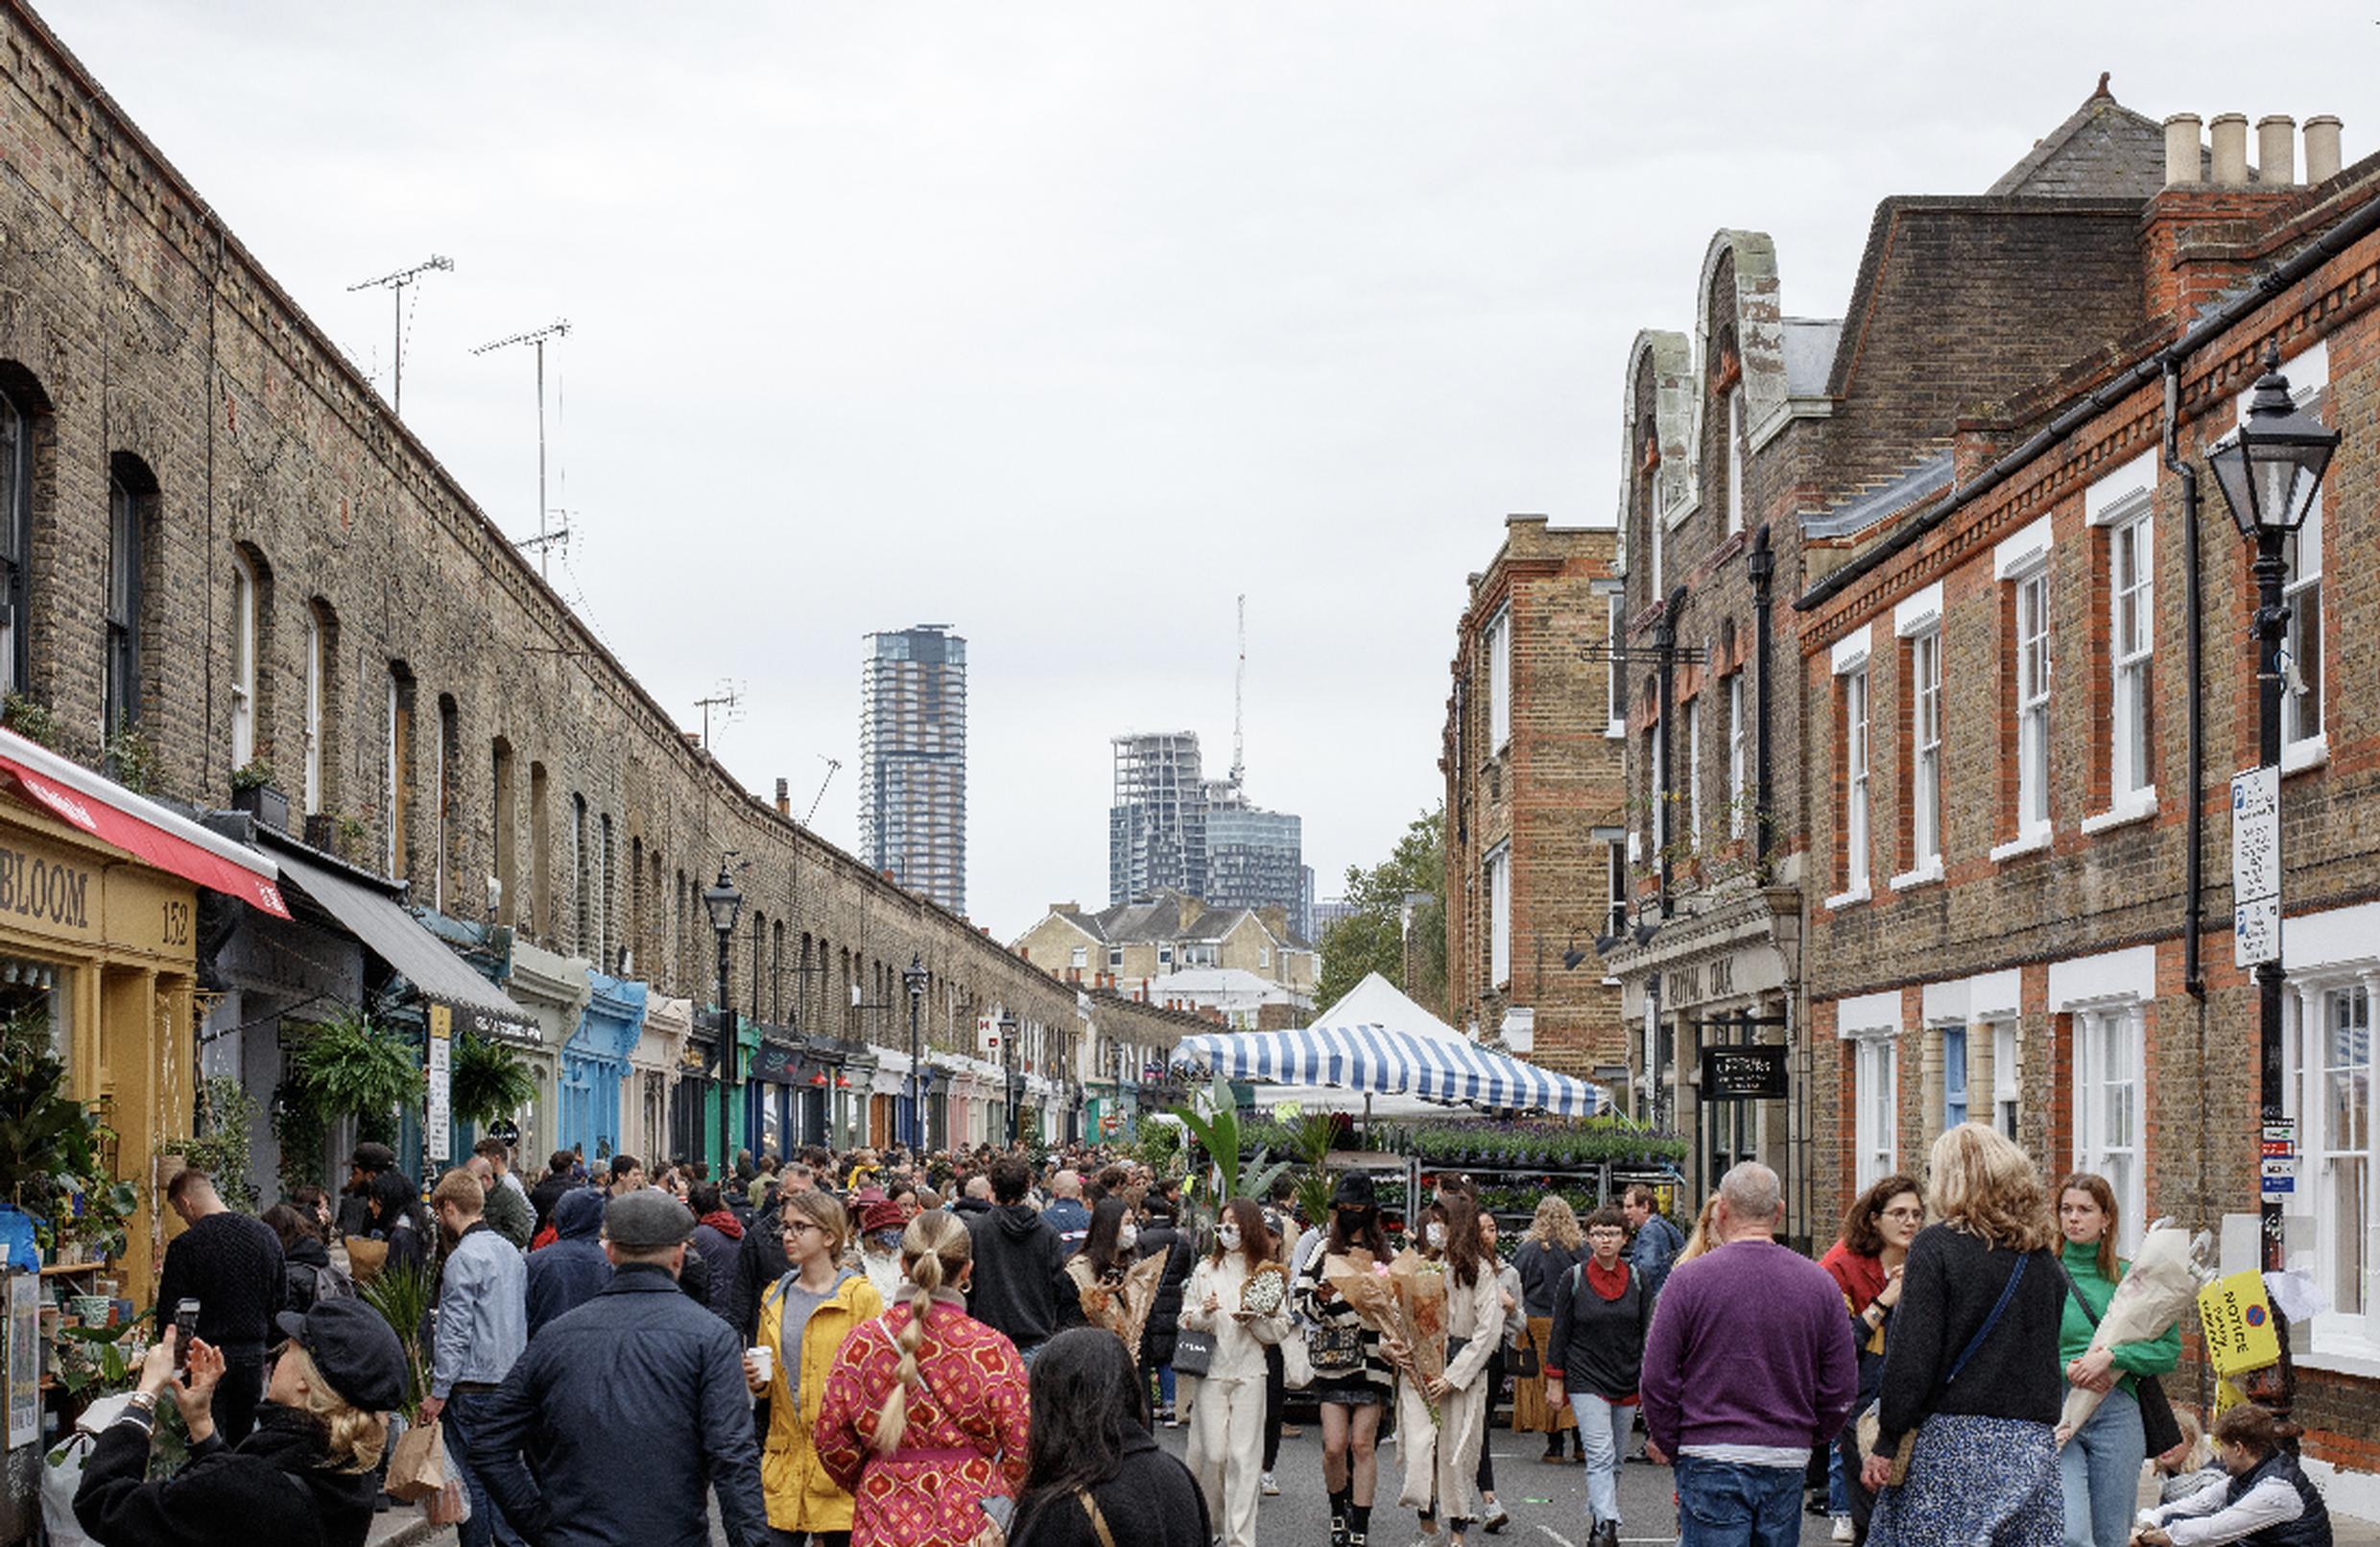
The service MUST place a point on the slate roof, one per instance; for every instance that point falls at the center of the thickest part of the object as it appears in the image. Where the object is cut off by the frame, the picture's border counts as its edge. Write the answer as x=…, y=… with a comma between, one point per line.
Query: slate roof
x=1810, y=354
x=2104, y=150
x=1164, y=918
x=1923, y=481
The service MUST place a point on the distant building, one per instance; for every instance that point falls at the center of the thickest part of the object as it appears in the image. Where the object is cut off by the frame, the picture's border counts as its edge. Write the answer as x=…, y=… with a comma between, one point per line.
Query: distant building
x=1133, y=947
x=1256, y=858
x=1156, y=823
x=913, y=760
x=1327, y=914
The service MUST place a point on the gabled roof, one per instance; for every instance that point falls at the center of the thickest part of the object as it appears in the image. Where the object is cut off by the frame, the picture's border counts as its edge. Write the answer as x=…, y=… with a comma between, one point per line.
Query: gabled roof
x=2104, y=150
x=1167, y=917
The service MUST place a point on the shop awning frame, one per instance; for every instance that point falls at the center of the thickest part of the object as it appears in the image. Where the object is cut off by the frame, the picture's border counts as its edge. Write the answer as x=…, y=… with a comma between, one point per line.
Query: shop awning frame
x=421, y=958
x=147, y=831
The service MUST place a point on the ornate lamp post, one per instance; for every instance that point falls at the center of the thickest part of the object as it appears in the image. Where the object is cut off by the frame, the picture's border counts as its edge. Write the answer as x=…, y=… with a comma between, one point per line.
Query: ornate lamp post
x=2270, y=475
x=914, y=981
x=726, y=903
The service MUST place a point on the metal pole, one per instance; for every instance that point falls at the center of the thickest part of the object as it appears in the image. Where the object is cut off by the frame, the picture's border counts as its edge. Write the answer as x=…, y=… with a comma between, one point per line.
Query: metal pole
x=545, y=563
x=398, y=407
x=917, y=1116
x=727, y=1054
x=2272, y=568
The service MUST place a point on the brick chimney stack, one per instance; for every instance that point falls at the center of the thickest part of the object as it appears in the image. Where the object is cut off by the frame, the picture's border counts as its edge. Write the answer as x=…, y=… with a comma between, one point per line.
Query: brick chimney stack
x=784, y=798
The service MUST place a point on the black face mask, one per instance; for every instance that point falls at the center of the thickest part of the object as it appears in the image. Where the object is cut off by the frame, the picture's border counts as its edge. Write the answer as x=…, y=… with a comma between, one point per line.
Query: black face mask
x=1355, y=1221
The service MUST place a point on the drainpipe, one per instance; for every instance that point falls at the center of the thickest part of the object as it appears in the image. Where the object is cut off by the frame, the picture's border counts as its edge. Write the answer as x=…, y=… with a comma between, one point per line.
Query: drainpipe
x=1761, y=563
x=1665, y=644
x=2193, y=623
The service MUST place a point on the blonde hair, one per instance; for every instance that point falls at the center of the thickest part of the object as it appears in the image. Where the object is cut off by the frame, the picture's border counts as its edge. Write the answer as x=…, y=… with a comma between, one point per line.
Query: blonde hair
x=2197, y=1450
x=354, y=1437
x=825, y=1213
x=1556, y=1223
x=1978, y=1181
x=1705, y=1232
x=935, y=1250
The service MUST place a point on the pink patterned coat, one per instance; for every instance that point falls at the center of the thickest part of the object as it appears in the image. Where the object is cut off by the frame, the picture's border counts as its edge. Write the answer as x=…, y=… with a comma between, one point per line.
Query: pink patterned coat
x=967, y=1432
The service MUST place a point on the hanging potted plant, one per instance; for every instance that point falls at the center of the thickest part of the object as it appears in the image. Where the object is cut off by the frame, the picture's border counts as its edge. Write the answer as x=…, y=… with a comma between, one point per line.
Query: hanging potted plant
x=351, y=1064
x=489, y=1082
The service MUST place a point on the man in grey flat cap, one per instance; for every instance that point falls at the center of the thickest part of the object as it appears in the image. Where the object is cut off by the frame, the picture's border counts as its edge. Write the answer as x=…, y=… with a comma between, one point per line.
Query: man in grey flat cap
x=622, y=1413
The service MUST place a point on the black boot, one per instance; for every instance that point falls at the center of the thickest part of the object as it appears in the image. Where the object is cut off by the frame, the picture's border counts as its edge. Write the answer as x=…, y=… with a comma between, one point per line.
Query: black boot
x=1341, y=1503
x=1606, y=1534
x=1359, y=1525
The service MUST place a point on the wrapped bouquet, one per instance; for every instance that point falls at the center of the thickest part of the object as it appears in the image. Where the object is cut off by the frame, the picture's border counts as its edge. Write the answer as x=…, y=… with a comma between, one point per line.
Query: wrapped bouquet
x=1421, y=1300
x=2161, y=1284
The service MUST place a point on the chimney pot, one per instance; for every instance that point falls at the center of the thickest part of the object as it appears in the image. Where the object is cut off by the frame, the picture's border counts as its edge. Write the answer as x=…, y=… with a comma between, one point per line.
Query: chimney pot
x=784, y=798
x=2182, y=162
x=2277, y=150
x=2322, y=148
x=2229, y=132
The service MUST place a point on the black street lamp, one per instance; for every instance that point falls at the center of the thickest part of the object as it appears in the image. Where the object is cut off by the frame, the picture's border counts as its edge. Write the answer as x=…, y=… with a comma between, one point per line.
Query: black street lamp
x=724, y=903
x=914, y=981
x=2270, y=475
x=1007, y=1061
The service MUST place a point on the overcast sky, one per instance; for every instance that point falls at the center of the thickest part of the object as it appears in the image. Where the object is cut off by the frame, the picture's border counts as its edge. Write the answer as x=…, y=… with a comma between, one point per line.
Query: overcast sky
x=1066, y=323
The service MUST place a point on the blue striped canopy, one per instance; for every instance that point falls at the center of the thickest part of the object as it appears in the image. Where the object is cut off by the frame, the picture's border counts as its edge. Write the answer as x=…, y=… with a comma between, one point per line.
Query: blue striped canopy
x=1389, y=1063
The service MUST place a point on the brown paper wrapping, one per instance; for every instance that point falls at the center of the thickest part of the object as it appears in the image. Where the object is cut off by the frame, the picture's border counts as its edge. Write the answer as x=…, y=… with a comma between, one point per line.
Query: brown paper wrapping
x=1421, y=1298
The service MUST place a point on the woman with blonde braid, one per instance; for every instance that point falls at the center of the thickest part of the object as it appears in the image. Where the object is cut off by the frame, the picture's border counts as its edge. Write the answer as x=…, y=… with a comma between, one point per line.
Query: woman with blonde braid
x=925, y=1409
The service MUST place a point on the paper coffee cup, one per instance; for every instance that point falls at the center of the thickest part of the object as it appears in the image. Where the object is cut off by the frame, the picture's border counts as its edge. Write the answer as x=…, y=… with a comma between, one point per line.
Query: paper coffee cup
x=762, y=1359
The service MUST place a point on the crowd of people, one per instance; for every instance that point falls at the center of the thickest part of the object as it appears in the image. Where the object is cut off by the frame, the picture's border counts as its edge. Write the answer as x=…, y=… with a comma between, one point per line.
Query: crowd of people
x=976, y=1350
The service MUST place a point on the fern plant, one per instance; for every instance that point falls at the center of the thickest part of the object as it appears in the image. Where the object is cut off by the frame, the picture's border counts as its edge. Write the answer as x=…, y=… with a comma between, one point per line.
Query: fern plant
x=488, y=1080
x=351, y=1063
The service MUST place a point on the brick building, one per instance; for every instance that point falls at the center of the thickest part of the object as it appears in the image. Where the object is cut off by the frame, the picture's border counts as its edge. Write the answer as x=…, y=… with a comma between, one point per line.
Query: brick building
x=1534, y=800
x=2024, y=694
x=222, y=551
x=1750, y=448
x=1130, y=947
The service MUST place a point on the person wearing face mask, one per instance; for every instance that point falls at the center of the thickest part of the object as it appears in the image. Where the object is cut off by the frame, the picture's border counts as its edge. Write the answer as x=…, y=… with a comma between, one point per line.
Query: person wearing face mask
x=1096, y=1270
x=1163, y=1328
x=881, y=1222
x=1226, y=1424
x=1354, y=1367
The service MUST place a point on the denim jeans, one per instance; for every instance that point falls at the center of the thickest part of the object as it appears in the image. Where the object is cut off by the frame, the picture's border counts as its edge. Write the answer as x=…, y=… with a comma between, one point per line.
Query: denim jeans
x=1838, y=1495
x=1603, y=1435
x=1723, y=1505
x=464, y=1413
x=2100, y=1468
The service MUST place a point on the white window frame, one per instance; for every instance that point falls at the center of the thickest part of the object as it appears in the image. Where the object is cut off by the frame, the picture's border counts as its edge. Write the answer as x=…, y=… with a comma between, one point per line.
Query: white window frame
x=1735, y=459
x=243, y=661
x=1499, y=637
x=1739, y=756
x=1078, y=958
x=2033, y=701
x=2350, y=1338
x=1917, y=620
x=2008, y=1075
x=1693, y=730
x=2132, y=654
x=2305, y=740
x=314, y=714
x=1877, y=1096
x=1615, y=864
x=1499, y=865
x=1850, y=670
x=1655, y=739
x=2110, y=1058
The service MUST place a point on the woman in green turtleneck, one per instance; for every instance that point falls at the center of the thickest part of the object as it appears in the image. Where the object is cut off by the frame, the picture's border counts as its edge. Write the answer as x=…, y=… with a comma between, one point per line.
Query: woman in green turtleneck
x=2101, y=1464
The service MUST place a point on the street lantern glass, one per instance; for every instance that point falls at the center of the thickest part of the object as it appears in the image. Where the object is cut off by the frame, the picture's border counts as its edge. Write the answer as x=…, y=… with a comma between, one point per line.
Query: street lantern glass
x=2271, y=471
x=914, y=978
x=725, y=902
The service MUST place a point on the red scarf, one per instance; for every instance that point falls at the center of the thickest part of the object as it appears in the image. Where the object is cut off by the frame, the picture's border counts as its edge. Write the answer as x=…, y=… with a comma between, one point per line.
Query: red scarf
x=1610, y=1285
x=724, y=1223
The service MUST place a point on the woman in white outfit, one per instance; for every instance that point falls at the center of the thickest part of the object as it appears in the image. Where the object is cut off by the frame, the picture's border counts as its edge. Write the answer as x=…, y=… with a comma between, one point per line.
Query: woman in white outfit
x=1442, y=1458
x=1226, y=1425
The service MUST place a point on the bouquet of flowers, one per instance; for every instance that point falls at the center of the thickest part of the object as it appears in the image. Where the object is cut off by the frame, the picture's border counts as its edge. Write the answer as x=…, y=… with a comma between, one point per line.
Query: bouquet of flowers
x=1138, y=1295
x=1365, y=1288
x=1265, y=1289
x=2162, y=1283
x=1421, y=1300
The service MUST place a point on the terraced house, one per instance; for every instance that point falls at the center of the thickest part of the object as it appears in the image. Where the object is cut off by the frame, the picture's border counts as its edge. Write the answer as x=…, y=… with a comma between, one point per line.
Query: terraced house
x=2026, y=693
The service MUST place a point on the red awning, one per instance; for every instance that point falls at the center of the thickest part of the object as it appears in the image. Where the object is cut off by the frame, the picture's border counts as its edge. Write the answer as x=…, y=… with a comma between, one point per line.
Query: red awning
x=142, y=836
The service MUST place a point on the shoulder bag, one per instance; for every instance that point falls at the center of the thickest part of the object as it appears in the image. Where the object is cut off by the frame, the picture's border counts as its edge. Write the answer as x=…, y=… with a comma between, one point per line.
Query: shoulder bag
x=1098, y=1521
x=1869, y=1429
x=2158, y=1423
x=1193, y=1352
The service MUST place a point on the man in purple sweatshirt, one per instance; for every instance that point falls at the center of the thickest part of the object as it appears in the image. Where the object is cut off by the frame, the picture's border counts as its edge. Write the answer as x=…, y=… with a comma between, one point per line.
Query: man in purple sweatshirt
x=1749, y=1368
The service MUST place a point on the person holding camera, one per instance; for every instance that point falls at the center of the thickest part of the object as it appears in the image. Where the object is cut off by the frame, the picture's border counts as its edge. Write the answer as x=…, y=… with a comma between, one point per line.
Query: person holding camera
x=306, y=1477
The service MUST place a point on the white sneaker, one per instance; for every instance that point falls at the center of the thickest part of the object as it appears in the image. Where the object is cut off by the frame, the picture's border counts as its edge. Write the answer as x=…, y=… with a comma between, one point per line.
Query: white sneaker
x=1267, y=1487
x=1496, y=1514
x=1842, y=1528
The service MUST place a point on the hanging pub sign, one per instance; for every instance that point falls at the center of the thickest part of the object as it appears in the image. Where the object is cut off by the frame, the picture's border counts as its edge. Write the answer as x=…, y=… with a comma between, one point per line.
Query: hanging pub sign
x=1754, y=1073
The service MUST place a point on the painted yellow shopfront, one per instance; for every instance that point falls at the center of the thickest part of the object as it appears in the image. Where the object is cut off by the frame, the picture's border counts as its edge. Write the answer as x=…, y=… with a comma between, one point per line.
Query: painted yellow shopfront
x=105, y=944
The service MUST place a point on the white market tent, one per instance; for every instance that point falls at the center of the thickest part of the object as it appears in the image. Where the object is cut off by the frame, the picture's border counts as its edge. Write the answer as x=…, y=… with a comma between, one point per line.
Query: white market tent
x=1376, y=1047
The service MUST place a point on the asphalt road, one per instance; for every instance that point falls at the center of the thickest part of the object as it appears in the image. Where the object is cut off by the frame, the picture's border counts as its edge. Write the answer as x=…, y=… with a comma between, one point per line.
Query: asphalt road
x=1548, y=1504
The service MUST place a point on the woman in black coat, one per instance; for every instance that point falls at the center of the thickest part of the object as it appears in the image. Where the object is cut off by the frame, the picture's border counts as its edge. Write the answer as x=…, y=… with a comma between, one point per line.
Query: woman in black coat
x=1093, y=1462
x=1164, y=1328
x=306, y=1477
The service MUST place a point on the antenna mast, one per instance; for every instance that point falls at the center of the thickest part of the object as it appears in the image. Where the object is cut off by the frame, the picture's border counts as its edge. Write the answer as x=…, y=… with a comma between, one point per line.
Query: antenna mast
x=727, y=697
x=833, y=766
x=394, y=284
x=538, y=337
x=1239, y=696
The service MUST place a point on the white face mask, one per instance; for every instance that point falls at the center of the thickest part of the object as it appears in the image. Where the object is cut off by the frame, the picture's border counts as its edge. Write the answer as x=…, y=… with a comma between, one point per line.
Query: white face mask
x=1436, y=1235
x=1127, y=1235
x=1229, y=1236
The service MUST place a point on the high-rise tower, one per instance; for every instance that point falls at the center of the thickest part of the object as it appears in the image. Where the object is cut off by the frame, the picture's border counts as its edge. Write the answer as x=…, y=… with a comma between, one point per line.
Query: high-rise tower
x=913, y=760
x=1156, y=825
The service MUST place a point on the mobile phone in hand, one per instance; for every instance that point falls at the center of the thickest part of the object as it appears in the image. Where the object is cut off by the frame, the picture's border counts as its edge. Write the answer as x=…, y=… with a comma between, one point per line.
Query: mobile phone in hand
x=186, y=1329
x=1000, y=1507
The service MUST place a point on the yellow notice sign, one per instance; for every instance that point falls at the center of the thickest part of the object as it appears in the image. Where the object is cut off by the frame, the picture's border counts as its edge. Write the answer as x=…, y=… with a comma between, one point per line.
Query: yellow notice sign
x=2238, y=1322
x=2226, y=1398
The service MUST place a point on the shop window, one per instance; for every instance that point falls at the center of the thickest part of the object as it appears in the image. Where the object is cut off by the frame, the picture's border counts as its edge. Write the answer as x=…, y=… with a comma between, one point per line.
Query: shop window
x=2344, y=1200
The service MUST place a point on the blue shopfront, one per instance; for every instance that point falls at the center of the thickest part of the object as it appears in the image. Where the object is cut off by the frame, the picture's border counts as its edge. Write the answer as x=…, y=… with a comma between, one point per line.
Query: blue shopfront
x=595, y=1064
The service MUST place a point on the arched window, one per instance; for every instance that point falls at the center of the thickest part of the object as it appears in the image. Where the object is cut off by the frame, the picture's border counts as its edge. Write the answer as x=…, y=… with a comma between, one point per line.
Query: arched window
x=15, y=540
x=245, y=595
x=397, y=776
x=449, y=797
x=131, y=502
